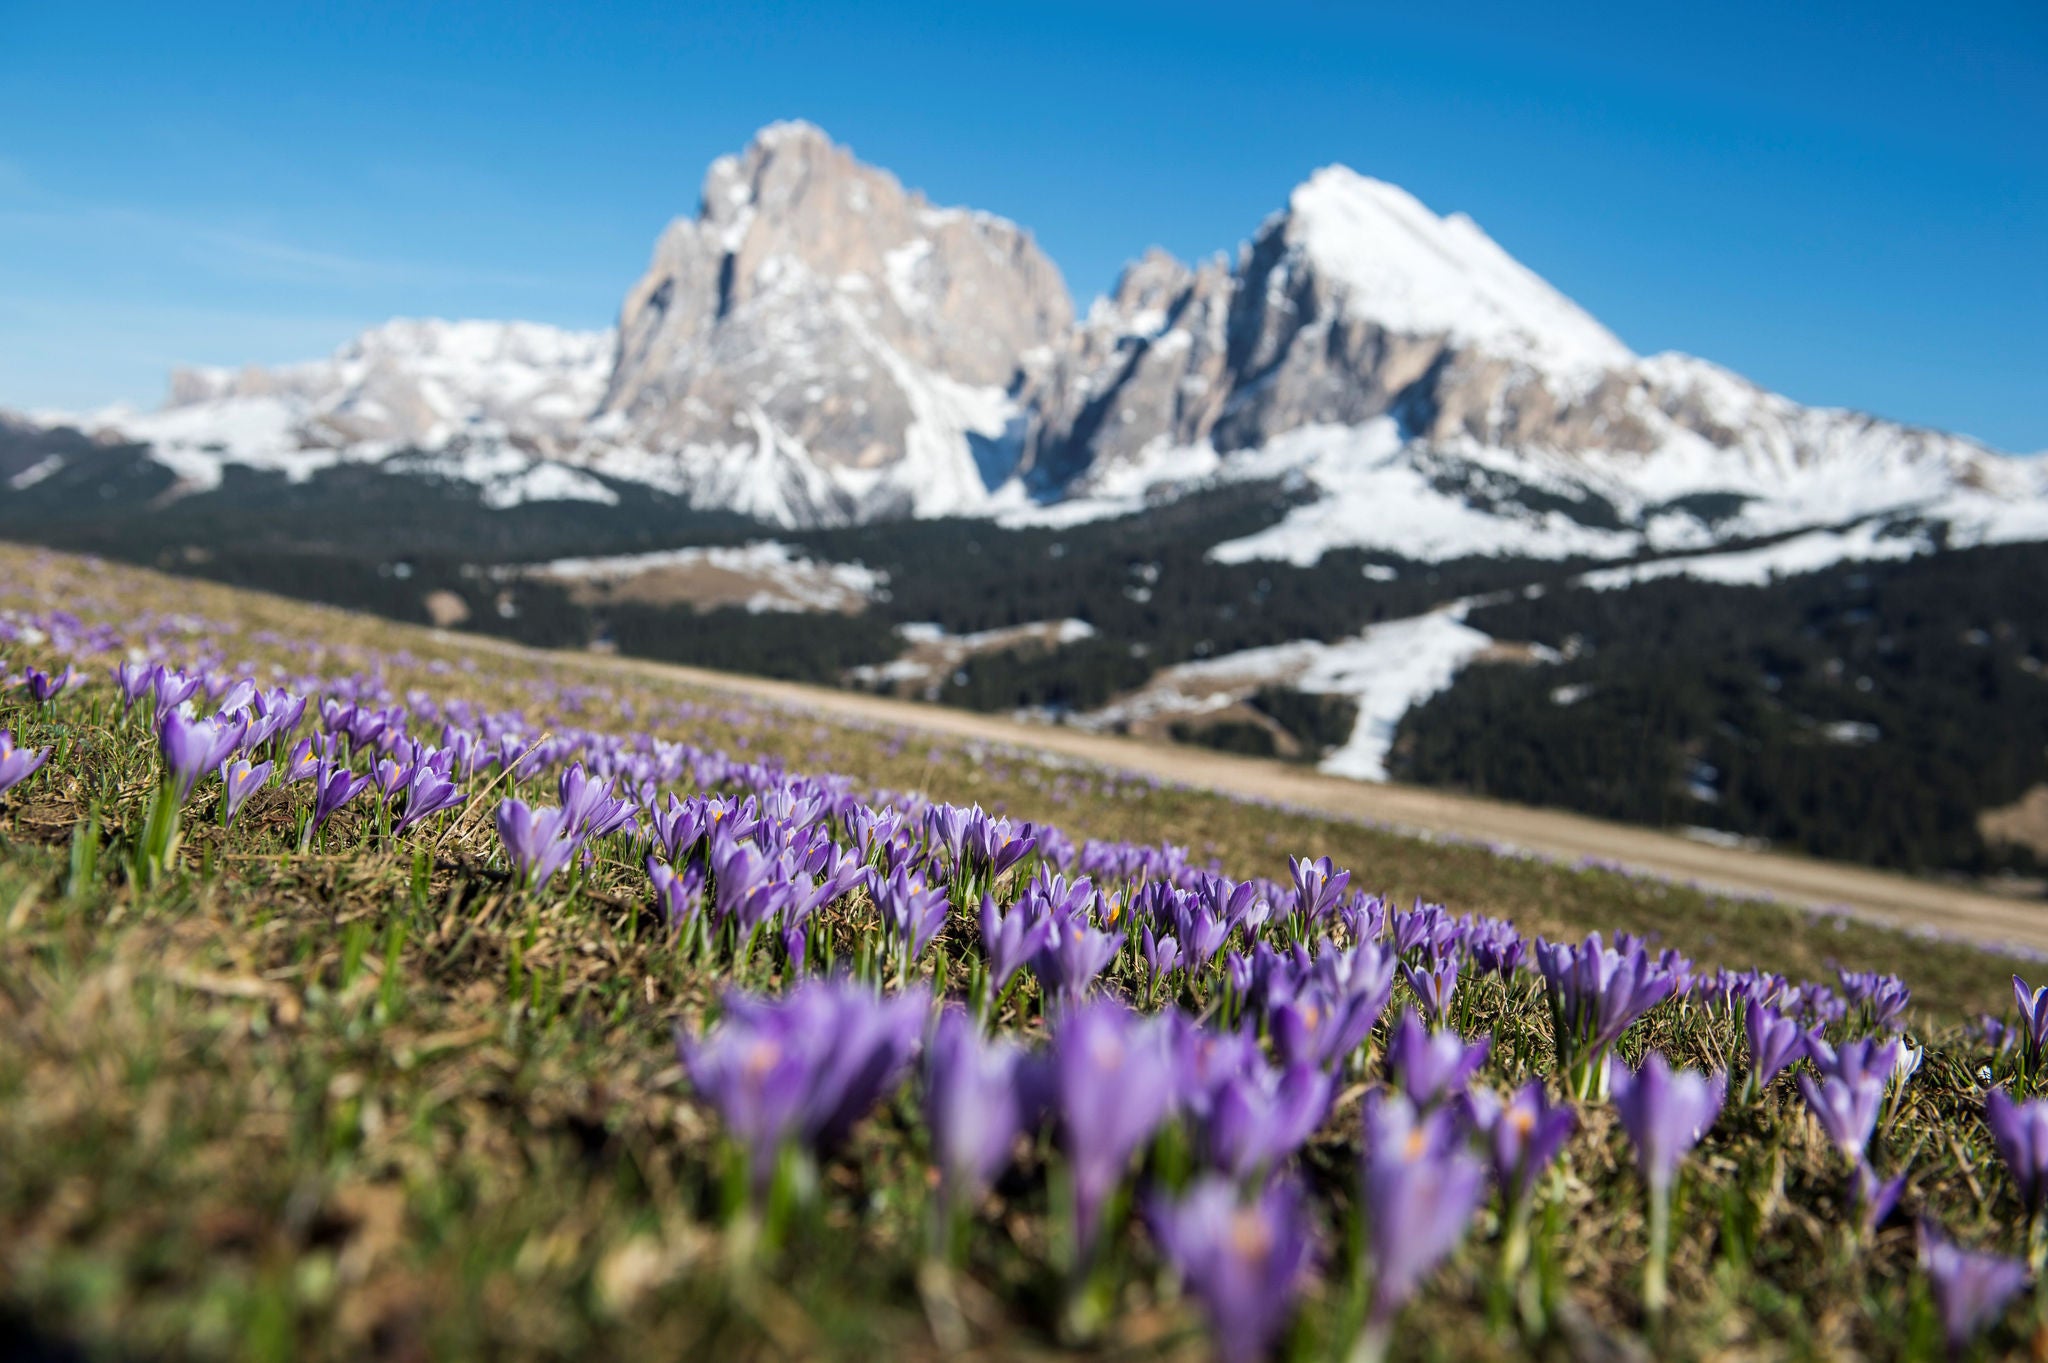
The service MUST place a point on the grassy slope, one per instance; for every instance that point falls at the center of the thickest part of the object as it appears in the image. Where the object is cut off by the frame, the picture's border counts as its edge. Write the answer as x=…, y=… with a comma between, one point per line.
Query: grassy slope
x=368, y=1101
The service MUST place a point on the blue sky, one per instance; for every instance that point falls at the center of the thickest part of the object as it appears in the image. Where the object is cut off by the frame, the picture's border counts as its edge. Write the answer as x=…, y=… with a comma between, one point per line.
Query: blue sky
x=1848, y=202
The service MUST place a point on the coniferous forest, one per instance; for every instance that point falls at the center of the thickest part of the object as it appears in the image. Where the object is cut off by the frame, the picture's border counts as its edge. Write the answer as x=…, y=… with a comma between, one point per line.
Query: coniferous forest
x=1870, y=711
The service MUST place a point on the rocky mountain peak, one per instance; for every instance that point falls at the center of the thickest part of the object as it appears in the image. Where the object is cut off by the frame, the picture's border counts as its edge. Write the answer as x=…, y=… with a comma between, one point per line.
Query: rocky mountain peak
x=821, y=322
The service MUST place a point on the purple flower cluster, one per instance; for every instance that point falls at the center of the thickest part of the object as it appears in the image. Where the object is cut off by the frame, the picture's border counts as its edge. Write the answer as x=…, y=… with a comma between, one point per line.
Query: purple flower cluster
x=798, y=1072
x=1202, y=1123
x=1596, y=994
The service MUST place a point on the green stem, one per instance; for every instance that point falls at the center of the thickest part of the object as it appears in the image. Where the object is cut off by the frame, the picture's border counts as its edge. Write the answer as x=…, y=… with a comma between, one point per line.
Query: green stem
x=1371, y=1344
x=1656, y=1289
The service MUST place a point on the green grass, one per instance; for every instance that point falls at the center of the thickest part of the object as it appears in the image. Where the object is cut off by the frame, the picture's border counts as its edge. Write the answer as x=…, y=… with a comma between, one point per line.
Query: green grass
x=370, y=1101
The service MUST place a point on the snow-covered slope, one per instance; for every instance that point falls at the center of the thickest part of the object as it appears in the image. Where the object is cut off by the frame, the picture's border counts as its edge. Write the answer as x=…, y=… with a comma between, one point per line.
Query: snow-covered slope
x=495, y=400
x=1417, y=274
x=1386, y=671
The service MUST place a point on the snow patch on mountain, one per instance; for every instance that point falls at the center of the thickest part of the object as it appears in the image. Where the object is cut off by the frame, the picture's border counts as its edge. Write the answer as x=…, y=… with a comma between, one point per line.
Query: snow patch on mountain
x=1386, y=671
x=1374, y=495
x=1806, y=553
x=778, y=577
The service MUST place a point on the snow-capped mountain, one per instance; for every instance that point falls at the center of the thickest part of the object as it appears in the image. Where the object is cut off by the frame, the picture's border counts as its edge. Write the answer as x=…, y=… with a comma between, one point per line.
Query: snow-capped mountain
x=490, y=402
x=819, y=345
x=1444, y=400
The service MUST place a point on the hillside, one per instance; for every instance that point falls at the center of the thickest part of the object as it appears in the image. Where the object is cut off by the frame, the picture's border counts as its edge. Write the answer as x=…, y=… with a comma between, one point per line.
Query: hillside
x=1929, y=660
x=365, y=1077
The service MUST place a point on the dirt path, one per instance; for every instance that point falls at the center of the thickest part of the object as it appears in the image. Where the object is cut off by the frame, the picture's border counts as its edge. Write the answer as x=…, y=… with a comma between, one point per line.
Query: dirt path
x=1903, y=901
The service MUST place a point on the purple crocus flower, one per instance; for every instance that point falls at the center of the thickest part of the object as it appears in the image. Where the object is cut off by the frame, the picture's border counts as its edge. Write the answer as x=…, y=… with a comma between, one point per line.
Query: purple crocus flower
x=1201, y=936
x=134, y=681
x=427, y=792
x=1244, y=1261
x=974, y=1103
x=911, y=914
x=990, y=845
x=389, y=777
x=1071, y=958
x=1234, y=903
x=945, y=829
x=1524, y=1136
x=173, y=689
x=747, y=889
x=1259, y=1116
x=1364, y=917
x=1863, y=1058
x=1971, y=1288
x=2033, y=1020
x=1424, y=928
x=193, y=747
x=1162, y=953
x=1009, y=940
x=1432, y=1067
x=1238, y=971
x=1873, y=1197
x=796, y=944
x=334, y=785
x=1596, y=993
x=588, y=809
x=18, y=764
x=1328, y=1018
x=681, y=824
x=1496, y=948
x=1850, y=1095
x=803, y=1068
x=278, y=712
x=1665, y=1112
x=1113, y=1085
x=1846, y=1105
x=303, y=762
x=2020, y=1131
x=536, y=841
x=1205, y=1059
x=1434, y=985
x=1318, y=887
x=1775, y=1041
x=1421, y=1186
x=43, y=687
x=1881, y=998
x=239, y=780
x=679, y=896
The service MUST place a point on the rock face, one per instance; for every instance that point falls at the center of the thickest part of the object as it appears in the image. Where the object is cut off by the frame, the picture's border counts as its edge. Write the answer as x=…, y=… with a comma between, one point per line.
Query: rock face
x=820, y=323
x=1149, y=364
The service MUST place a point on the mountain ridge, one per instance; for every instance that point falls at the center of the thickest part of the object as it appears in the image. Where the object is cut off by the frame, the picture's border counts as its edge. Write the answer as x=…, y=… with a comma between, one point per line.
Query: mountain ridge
x=819, y=345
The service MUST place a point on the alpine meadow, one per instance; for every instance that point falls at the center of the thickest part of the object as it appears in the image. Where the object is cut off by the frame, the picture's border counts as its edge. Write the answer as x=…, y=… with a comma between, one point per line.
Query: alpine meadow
x=1186, y=727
